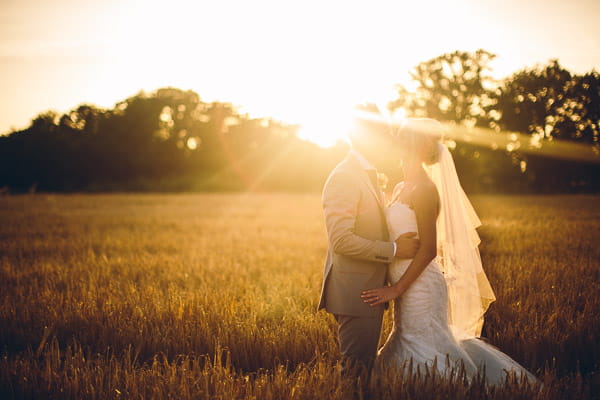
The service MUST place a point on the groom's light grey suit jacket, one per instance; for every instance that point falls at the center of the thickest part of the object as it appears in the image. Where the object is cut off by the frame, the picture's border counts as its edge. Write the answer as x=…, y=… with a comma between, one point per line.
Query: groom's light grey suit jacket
x=359, y=251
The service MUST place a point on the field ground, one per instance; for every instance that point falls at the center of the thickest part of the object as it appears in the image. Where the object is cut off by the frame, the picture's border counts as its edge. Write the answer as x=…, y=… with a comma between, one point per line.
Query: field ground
x=214, y=295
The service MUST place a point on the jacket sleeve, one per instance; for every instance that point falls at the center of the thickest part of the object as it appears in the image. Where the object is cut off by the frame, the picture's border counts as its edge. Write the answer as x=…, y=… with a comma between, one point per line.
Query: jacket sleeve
x=340, y=205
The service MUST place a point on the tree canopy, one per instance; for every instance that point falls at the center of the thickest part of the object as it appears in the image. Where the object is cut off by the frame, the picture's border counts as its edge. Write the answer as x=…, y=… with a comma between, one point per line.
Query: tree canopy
x=172, y=140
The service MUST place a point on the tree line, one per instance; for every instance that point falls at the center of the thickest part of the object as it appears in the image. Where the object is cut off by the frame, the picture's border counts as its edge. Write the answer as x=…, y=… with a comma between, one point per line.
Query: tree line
x=171, y=140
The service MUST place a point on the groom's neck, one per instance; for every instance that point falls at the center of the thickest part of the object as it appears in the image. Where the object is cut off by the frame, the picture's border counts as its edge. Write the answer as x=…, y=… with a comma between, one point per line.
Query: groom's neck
x=367, y=153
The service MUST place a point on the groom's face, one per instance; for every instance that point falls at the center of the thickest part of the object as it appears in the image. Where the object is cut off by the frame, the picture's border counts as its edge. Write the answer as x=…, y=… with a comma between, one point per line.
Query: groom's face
x=370, y=134
x=388, y=148
x=375, y=142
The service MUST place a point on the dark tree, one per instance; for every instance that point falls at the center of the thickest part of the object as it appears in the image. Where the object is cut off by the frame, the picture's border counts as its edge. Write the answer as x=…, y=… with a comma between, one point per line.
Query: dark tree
x=530, y=100
x=548, y=103
x=579, y=116
x=172, y=140
x=451, y=87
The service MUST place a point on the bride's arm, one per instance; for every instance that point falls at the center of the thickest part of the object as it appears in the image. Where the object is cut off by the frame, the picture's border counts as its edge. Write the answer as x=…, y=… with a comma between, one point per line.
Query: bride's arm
x=426, y=206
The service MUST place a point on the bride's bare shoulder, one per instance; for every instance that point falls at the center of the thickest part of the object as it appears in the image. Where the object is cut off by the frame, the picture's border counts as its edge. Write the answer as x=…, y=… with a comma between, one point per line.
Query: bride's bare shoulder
x=426, y=194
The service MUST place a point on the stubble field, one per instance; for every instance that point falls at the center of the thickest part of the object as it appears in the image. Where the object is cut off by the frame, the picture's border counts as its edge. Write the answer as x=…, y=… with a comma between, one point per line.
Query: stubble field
x=213, y=296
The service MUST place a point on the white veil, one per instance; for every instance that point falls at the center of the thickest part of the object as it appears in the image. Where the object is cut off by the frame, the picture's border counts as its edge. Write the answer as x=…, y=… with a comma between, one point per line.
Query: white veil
x=469, y=291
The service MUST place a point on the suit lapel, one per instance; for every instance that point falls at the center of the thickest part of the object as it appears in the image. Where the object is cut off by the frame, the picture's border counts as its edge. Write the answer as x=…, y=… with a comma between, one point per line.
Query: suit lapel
x=365, y=178
x=354, y=165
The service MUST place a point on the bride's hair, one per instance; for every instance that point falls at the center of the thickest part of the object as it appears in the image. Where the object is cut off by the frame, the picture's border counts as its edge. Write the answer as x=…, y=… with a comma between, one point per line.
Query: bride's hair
x=416, y=133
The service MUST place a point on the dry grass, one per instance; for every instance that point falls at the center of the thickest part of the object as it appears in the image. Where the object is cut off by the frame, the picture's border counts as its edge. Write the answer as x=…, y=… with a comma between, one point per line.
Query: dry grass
x=213, y=296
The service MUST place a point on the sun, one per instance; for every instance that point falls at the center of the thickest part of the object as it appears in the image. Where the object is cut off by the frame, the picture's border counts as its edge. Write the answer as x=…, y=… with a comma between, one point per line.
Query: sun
x=325, y=129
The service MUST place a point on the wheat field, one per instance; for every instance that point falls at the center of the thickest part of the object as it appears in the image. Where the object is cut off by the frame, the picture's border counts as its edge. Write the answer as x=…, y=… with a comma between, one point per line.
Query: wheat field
x=213, y=296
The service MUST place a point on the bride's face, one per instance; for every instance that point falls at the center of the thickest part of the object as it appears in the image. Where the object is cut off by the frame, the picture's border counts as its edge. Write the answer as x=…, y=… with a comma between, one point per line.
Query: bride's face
x=414, y=147
x=416, y=150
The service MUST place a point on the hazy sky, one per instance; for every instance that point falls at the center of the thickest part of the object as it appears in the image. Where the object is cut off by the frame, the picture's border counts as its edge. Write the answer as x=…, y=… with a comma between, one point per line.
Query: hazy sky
x=288, y=59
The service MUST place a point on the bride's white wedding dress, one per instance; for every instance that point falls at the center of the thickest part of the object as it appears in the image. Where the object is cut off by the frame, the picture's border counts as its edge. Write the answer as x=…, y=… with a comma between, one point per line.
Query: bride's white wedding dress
x=421, y=330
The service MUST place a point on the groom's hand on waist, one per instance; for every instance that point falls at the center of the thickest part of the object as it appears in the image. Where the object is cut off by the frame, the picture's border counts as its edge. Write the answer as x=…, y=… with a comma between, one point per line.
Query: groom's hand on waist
x=407, y=245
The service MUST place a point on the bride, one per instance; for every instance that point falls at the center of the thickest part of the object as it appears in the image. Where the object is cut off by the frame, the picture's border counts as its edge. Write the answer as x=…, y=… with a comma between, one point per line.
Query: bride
x=440, y=296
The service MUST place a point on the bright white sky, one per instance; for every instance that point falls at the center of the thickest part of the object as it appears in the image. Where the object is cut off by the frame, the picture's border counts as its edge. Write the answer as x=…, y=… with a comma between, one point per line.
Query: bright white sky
x=298, y=61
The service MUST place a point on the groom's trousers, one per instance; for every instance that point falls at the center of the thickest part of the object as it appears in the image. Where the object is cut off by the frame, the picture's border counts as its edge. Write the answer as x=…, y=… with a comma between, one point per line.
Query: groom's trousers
x=359, y=338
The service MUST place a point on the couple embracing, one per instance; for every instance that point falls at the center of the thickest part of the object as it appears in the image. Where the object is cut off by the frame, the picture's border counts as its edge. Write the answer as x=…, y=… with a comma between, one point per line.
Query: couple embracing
x=419, y=251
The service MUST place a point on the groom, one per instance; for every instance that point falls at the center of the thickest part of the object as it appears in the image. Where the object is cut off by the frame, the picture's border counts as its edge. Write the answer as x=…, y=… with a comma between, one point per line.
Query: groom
x=359, y=247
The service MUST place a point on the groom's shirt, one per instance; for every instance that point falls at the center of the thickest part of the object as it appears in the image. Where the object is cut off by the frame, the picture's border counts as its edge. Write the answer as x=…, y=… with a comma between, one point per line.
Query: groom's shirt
x=367, y=166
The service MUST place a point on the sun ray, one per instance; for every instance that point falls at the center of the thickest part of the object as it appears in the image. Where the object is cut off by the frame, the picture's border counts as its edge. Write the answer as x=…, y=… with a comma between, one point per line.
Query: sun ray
x=523, y=143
